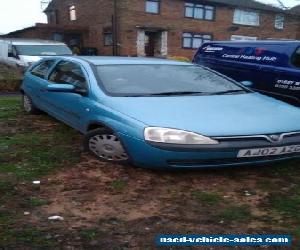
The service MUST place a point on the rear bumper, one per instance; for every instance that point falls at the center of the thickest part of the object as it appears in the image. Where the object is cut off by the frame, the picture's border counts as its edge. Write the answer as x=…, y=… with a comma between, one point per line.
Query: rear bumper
x=151, y=156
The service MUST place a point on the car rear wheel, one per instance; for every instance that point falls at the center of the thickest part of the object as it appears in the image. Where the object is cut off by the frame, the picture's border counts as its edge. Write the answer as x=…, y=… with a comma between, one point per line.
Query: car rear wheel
x=28, y=105
x=105, y=145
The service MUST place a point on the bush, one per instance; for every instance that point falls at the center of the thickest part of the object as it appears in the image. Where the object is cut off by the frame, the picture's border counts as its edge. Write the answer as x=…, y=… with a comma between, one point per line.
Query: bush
x=10, y=78
x=10, y=85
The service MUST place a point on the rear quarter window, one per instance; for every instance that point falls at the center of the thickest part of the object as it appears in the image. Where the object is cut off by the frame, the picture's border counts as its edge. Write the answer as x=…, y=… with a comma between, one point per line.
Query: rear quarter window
x=42, y=69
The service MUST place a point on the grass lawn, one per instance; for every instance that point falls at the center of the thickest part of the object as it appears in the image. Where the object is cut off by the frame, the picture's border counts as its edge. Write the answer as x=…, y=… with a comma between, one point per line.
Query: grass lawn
x=107, y=206
x=27, y=153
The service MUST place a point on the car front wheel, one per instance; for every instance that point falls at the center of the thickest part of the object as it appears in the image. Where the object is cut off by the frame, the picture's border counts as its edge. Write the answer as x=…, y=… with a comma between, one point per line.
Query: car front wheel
x=105, y=145
x=28, y=105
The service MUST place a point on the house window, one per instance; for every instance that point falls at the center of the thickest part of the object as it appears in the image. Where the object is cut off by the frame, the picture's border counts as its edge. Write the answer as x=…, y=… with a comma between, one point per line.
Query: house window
x=243, y=38
x=58, y=37
x=199, y=11
x=153, y=6
x=194, y=40
x=107, y=36
x=246, y=17
x=279, y=22
x=72, y=12
x=108, y=39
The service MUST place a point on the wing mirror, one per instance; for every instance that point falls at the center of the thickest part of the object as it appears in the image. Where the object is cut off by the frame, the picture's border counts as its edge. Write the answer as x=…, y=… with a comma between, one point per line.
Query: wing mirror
x=66, y=88
x=60, y=88
x=247, y=84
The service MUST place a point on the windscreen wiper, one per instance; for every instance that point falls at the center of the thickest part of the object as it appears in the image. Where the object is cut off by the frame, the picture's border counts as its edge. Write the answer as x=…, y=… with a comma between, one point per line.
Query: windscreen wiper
x=229, y=92
x=174, y=93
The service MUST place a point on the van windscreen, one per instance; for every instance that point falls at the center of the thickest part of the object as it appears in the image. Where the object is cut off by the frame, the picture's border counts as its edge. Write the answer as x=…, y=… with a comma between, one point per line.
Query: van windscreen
x=43, y=50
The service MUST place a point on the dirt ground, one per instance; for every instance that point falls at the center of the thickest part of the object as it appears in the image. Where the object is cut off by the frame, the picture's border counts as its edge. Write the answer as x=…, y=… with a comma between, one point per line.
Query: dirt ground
x=109, y=206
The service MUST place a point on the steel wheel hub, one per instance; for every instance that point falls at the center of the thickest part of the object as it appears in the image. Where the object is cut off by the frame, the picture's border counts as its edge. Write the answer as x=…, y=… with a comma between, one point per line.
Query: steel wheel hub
x=27, y=103
x=108, y=147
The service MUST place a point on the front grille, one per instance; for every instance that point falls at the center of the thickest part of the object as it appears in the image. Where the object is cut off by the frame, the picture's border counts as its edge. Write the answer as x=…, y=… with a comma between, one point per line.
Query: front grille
x=283, y=137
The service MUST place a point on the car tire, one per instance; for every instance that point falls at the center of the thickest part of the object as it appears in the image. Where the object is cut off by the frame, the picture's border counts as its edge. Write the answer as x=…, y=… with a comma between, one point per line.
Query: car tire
x=105, y=145
x=28, y=105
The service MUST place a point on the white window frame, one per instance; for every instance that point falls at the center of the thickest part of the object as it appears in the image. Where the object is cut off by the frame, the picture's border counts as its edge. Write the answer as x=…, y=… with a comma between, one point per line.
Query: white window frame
x=108, y=38
x=243, y=38
x=148, y=5
x=279, y=22
x=72, y=13
x=244, y=17
x=195, y=40
x=191, y=10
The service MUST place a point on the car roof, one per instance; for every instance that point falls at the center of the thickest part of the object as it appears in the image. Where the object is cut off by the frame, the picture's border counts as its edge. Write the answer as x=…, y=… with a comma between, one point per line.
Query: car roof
x=114, y=60
x=19, y=41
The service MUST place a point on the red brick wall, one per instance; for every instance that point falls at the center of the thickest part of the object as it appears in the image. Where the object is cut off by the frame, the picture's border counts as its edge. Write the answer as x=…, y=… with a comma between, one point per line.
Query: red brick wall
x=132, y=14
x=96, y=14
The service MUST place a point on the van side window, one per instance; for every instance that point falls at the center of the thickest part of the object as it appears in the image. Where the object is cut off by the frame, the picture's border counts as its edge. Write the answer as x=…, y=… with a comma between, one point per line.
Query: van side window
x=42, y=69
x=296, y=58
x=12, y=52
x=68, y=73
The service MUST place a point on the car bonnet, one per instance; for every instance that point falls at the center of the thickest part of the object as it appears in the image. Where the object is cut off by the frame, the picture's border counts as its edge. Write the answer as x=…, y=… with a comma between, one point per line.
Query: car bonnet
x=224, y=115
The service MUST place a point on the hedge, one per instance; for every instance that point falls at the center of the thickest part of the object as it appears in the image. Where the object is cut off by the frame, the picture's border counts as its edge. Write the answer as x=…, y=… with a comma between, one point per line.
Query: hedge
x=10, y=85
x=10, y=78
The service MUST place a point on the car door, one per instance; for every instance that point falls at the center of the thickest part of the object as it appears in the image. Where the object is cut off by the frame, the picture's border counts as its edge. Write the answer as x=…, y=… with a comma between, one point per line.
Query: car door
x=287, y=79
x=69, y=107
x=35, y=83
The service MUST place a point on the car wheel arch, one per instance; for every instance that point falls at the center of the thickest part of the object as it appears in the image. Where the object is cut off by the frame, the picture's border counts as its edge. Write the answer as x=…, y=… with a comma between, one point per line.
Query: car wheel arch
x=97, y=124
x=94, y=125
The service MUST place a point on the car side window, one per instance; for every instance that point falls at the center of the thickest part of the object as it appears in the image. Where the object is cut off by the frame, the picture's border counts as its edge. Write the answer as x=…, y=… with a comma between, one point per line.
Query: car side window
x=296, y=58
x=68, y=73
x=42, y=69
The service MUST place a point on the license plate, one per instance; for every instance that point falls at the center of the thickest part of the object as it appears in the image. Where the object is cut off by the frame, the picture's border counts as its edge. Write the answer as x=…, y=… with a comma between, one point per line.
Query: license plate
x=261, y=152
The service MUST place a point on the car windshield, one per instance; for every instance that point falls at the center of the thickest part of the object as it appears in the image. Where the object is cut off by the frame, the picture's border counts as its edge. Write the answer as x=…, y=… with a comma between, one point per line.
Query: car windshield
x=43, y=50
x=147, y=80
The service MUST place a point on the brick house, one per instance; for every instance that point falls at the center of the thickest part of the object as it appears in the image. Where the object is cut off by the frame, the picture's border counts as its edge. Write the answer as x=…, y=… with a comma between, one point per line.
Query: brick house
x=163, y=27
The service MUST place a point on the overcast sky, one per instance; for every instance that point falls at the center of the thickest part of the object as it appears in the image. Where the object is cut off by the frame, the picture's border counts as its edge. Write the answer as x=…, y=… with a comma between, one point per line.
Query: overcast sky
x=18, y=14
x=287, y=3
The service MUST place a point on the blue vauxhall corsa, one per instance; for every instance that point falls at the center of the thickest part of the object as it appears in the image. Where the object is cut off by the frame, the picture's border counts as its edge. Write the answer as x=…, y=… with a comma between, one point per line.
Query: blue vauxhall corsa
x=162, y=114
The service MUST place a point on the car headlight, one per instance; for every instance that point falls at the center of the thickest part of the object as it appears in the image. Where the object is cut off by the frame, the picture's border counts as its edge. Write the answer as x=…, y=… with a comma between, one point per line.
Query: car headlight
x=175, y=136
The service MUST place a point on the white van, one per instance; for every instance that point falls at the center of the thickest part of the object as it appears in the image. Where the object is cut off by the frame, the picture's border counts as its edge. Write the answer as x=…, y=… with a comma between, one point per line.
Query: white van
x=23, y=52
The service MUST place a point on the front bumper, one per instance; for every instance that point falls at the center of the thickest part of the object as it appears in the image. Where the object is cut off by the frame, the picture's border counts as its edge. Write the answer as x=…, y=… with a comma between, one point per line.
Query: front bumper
x=222, y=155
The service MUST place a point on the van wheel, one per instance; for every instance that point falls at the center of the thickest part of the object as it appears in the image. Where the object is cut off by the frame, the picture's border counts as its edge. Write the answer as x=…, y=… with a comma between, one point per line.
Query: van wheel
x=28, y=105
x=105, y=145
